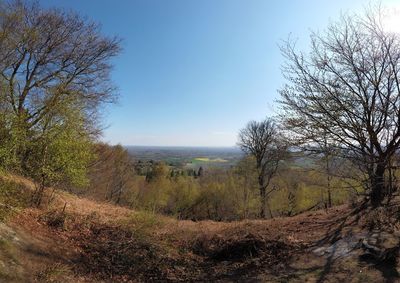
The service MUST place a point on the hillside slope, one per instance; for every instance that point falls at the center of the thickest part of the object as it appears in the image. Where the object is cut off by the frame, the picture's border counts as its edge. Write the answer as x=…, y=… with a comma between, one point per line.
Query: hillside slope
x=79, y=240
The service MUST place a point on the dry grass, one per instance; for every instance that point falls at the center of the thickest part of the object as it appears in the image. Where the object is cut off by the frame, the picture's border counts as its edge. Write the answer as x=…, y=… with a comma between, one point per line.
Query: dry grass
x=79, y=240
x=83, y=207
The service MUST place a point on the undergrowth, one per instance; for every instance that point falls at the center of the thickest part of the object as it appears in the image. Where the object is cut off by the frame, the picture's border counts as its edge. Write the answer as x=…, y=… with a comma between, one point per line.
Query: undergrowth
x=53, y=273
x=383, y=219
x=13, y=197
x=142, y=224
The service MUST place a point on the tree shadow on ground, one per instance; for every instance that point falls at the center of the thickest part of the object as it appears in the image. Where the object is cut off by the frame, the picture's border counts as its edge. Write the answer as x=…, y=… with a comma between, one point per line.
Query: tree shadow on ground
x=348, y=223
x=386, y=268
x=332, y=237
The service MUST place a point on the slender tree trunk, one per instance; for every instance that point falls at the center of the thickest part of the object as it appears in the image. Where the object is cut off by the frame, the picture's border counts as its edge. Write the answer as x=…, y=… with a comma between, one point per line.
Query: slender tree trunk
x=38, y=193
x=245, y=201
x=263, y=198
x=120, y=188
x=329, y=193
x=378, y=185
x=328, y=172
x=270, y=211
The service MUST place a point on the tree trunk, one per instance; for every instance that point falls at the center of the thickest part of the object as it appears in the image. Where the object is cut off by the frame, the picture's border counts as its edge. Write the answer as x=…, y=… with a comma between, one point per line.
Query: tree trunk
x=329, y=196
x=262, y=198
x=328, y=173
x=262, y=201
x=38, y=194
x=378, y=186
x=329, y=184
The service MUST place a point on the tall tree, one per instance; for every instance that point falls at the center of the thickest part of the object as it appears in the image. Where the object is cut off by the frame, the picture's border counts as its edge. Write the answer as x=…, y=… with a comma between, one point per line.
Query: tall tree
x=347, y=90
x=262, y=141
x=50, y=58
x=54, y=78
x=246, y=179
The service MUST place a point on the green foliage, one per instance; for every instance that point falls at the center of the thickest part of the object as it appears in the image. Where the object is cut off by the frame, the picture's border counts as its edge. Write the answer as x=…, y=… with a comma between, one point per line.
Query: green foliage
x=14, y=140
x=182, y=195
x=143, y=223
x=51, y=94
x=157, y=172
x=60, y=155
x=64, y=158
x=232, y=194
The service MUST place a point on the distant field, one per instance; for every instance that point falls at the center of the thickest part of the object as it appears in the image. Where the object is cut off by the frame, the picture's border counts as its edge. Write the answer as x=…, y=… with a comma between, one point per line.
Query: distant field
x=188, y=157
x=206, y=159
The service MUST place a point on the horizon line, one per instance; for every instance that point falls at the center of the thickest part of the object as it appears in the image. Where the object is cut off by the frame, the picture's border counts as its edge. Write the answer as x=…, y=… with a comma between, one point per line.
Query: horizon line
x=212, y=146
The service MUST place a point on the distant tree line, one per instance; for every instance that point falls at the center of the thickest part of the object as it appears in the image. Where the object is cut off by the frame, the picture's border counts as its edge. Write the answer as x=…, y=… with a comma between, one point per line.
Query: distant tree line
x=217, y=194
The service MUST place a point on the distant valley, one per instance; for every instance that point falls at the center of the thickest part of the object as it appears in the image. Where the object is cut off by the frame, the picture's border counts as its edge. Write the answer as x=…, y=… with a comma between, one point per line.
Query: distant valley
x=189, y=157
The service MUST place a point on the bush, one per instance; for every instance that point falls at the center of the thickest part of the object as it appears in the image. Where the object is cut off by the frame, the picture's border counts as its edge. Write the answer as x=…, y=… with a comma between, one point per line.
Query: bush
x=141, y=224
x=54, y=218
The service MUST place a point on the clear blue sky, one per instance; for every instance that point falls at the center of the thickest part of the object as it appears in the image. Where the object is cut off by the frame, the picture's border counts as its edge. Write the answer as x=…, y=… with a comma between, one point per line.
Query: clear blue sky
x=193, y=72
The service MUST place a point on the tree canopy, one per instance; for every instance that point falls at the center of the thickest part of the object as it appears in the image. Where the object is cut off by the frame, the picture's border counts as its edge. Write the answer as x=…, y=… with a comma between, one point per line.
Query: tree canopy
x=54, y=80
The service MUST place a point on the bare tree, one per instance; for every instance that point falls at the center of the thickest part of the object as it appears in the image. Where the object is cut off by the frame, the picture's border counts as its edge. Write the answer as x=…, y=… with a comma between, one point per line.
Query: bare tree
x=326, y=153
x=111, y=173
x=122, y=173
x=261, y=140
x=346, y=93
